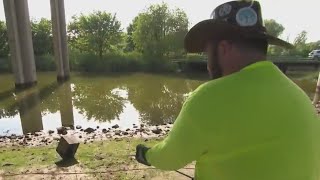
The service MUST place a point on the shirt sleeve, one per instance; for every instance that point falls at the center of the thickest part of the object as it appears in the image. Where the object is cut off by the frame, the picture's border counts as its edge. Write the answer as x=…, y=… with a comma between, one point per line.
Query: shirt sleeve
x=184, y=143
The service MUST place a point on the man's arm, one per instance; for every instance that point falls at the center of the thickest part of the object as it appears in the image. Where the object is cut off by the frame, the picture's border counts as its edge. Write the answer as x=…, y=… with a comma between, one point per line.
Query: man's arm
x=185, y=143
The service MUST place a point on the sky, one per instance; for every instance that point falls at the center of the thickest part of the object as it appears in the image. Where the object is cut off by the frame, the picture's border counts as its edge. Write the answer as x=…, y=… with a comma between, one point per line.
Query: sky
x=294, y=15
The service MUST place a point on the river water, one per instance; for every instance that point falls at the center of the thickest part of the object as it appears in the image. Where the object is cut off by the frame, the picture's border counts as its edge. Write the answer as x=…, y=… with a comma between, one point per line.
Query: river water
x=100, y=100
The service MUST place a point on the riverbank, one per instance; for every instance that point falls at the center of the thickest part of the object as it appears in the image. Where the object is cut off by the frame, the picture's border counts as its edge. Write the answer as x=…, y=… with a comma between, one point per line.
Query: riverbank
x=90, y=135
x=107, y=159
x=87, y=135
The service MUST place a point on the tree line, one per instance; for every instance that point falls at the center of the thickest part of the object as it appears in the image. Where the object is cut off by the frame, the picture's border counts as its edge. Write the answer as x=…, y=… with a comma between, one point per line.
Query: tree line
x=98, y=43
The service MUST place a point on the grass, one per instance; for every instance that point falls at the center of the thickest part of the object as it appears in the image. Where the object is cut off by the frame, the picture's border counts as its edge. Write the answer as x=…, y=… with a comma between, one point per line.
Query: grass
x=106, y=156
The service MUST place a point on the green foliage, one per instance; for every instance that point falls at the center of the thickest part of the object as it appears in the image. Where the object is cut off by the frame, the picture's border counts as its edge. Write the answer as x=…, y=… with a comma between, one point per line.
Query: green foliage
x=45, y=62
x=4, y=46
x=195, y=57
x=273, y=27
x=301, y=50
x=96, y=33
x=160, y=31
x=129, y=40
x=111, y=62
x=5, y=65
x=42, y=36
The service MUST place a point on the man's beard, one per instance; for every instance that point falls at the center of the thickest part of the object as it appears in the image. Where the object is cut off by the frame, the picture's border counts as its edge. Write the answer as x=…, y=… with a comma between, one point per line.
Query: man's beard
x=216, y=70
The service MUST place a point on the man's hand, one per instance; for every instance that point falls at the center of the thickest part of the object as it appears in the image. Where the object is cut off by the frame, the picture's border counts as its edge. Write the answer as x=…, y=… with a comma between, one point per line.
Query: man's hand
x=141, y=151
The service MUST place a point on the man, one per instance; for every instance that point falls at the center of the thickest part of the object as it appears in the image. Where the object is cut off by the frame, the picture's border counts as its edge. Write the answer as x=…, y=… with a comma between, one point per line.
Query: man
x=251, y=122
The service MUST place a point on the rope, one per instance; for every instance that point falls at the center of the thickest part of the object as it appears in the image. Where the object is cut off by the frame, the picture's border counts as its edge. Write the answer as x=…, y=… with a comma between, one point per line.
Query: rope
x=185, y=175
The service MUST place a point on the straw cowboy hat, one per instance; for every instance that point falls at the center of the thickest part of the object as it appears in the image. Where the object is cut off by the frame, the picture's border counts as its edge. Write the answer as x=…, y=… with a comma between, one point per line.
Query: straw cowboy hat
x=235, y=19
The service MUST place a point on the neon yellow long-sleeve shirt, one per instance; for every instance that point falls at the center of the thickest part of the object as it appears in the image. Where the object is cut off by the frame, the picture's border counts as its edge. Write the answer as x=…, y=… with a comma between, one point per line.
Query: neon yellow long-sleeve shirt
x=255, y=124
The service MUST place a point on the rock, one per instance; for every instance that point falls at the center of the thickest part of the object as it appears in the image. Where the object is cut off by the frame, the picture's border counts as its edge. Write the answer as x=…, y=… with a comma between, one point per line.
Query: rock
x=98, y=127
x=80, y=137
x=128, y=129
x=13, y=136
x=37, y=134
x=50, y=131
x=89, y=130
x=105, y=131
x=170, y=123
x=164, y=124
x=28, y=139
x=135, y=126
x=27, y=136
x=115, y=126
x=142, y=125
x=146, y=140
x=98, y=157
x=78, y=127
x=157, y=131
x=44, y=140
x=7, y=164
x=125, y=133
x=118, y=133
x=62, y=130
x=109, y=128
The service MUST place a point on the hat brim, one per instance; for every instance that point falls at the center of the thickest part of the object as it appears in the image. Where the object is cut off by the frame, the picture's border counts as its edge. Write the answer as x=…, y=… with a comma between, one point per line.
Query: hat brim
x=201, y=33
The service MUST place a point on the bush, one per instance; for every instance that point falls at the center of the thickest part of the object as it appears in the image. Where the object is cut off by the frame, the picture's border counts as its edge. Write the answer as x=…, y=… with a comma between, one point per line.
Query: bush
x=5, y=64
x=120, y=62
x=159, y=65
x=45, y=63
x=113, y=62
x=195, y=57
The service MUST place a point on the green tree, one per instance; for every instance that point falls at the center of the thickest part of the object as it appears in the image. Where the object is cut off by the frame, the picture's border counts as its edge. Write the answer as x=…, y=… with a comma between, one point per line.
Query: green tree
x=42, y=36
x=273, y=27
x=97, y=33
x=301, y=39
x=131, y=28
x=4, y=46
x=160, y=31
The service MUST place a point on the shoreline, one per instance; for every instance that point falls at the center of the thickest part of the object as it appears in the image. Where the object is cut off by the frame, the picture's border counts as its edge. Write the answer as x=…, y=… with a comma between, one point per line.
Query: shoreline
x=88, y=135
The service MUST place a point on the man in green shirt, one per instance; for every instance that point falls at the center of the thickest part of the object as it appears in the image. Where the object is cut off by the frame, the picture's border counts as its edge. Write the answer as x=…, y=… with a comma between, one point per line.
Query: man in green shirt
x=250, y=122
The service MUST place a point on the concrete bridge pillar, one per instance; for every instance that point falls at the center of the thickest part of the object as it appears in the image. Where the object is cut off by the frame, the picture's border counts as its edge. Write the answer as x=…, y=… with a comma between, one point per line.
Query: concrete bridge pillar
x=20, y=42
x=60, y=39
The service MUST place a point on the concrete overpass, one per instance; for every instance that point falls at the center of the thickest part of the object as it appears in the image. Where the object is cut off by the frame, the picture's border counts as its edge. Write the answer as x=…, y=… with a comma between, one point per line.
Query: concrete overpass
x=21, y=46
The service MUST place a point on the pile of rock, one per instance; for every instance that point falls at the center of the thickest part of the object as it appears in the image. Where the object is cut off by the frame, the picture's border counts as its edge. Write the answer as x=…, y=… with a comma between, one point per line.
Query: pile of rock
x=87, y=135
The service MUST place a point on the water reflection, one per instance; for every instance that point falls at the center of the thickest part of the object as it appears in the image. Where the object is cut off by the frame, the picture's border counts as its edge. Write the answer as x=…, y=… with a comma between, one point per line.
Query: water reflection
x=97, y=101
x=30, y=111
x=66, y=108
x=90, y=101
x=159, y=99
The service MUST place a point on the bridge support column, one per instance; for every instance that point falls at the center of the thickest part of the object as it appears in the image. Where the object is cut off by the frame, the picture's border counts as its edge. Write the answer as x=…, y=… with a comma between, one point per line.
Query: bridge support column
x=60, y=39
x=20, y=42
